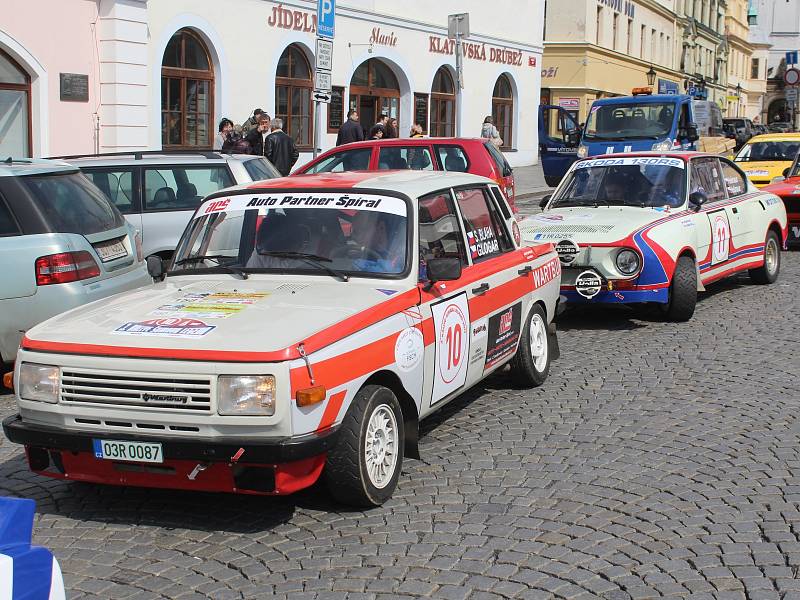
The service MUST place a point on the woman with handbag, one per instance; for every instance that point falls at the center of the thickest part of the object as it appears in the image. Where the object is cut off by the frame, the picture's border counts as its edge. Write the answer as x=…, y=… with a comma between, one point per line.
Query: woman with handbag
x=489, y=131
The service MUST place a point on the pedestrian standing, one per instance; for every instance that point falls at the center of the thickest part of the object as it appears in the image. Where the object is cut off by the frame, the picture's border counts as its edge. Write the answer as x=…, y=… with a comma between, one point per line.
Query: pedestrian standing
x=225, y=129
x=281, y=150
x=489, y=131
x=252, y=122
x=376, y=133
x=391, y=129
x=257, y=137
x=351, y=130
x=383, y=120
x=416, y=131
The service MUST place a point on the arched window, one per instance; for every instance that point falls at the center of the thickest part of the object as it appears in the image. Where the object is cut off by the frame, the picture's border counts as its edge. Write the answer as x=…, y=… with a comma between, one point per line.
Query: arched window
x=503, y=109
x=443, y=104
x=293, y=101
x=15, y=109
x=187, y=92
x=374, y=90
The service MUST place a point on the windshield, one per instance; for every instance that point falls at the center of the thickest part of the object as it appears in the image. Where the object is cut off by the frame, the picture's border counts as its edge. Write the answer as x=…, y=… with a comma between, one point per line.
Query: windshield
x=758, y=151
x=328, y=234
x=70, y=203
x=635, y=181
x=630, y=121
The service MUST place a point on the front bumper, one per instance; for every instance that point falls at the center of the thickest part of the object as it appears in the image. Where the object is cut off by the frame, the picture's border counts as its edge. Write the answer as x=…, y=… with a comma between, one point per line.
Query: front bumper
x=254, y=466
x=623, y=296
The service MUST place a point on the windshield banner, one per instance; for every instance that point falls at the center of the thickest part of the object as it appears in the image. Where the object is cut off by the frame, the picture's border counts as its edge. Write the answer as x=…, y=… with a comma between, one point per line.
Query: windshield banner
x=652, y=161
x=368, y=202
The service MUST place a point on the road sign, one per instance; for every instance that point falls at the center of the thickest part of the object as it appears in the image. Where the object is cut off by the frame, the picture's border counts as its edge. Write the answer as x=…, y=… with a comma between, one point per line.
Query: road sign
x=791, y=77
x=324, y=98
x=325, y=17
x=791, y=58
x=791, y=95
x=322, y=82
x=324, y=56
x=458, y=26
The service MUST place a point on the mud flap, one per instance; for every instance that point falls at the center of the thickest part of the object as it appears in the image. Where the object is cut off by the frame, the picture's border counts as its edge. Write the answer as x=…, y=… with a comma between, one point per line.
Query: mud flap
x=552, y=342
x=700, y=286
x=412, y=438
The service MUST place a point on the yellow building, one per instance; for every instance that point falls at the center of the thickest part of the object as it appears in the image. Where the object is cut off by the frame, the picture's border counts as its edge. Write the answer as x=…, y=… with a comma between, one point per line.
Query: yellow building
x=604, y=48
x=745, y=83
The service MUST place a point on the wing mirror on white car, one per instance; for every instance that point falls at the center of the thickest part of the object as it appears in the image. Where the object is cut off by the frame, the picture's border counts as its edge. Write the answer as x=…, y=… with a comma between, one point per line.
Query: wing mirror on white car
x=697, y=199
x=444, y=269
x=155, y=266
x=543, y=202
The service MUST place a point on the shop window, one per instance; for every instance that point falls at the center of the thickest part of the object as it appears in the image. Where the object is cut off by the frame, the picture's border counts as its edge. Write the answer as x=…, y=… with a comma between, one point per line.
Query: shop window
x=443, y=104
x=293, y=101
x=503, y=109
x=15, y=110
x=187, y=92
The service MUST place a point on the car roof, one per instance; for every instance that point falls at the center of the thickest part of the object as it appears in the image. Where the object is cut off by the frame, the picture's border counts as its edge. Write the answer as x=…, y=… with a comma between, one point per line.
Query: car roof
x=419, y=141
x=154, y=158
x=33, y=166
x=643, y=99
x=683, y=155
x=775, y=137
x=410, y=182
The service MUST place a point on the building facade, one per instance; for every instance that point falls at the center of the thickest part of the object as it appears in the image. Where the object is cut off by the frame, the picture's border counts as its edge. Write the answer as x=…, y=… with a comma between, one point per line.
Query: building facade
x=152, y=74
x=743, y=86
x=704, y=49
x=775, y=27
x=604, y=48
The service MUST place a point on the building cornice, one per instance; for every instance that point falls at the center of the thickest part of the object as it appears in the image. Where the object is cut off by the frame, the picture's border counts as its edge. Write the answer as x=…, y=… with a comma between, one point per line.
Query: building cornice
x=578, y=48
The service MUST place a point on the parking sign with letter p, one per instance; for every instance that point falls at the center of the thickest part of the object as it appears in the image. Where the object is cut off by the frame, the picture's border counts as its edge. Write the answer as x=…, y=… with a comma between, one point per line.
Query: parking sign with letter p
x=325, y=17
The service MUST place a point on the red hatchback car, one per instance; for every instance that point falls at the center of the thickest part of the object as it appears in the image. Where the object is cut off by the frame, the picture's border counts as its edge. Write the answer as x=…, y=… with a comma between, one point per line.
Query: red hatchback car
x=466, y=155
x=789, y=192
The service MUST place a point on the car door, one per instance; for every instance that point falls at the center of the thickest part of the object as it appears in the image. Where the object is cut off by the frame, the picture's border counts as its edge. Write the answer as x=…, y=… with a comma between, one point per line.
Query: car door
x=557, y=149
x=712, y=222
x=741, y=213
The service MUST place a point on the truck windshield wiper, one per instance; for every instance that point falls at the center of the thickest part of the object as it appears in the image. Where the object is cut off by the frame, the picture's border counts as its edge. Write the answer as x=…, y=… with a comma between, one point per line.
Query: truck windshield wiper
x=312, y=259
x=217, y=258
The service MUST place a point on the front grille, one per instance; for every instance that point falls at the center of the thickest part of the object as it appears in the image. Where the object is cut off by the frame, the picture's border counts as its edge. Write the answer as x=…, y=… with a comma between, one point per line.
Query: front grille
x=162, y=392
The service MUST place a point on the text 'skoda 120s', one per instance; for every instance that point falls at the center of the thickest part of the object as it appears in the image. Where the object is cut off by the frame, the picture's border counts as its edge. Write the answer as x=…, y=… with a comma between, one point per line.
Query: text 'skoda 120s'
x=658, y=228
x=304, y=328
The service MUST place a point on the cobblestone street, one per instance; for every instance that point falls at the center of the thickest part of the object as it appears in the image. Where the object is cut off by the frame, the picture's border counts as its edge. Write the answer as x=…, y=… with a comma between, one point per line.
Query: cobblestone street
x=658, y=460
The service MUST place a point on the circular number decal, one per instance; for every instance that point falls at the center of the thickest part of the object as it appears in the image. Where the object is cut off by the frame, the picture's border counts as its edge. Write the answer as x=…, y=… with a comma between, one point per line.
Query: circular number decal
x=720, y=235
x=453, y=339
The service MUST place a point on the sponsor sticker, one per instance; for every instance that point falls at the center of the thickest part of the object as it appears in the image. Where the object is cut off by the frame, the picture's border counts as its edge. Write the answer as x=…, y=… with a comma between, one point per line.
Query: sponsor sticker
x=369, y=202
x=516, y=233
x=567, y=251
x=655, y=161
x=720, y=236
x=504, y=329
x=408, y=349
x=208, y=305
x=387, y=292
x=452, y=328
x=173, y=327
x=588, y=284
x=482, y=242
x=757, y=173
x=551, y=236
x=772, y=200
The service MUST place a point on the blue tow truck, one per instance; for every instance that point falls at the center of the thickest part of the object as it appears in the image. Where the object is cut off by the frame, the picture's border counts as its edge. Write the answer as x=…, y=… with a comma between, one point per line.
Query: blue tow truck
x=636, y=123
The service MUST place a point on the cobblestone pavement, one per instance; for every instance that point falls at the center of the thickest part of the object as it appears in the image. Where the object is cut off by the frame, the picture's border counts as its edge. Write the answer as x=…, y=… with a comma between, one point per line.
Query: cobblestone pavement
x=658, y=460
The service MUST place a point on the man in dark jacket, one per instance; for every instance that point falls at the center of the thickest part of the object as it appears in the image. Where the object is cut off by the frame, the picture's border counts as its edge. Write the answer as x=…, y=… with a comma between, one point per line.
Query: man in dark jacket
x=351, y=130
x=280, y=148
x=258, y=136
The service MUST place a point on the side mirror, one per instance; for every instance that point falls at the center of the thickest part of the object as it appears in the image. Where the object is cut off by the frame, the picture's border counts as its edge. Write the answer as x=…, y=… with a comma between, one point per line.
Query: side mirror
x=155, y=266
x=444, y=269
x=786, y=172
x=543, y=202
x=573, y=138
x=697, y=199
x=691, y=133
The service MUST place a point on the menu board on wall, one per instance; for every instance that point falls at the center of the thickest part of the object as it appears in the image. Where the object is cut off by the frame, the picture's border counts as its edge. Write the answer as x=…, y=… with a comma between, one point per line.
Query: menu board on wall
x=421, y=111
x=336, y=109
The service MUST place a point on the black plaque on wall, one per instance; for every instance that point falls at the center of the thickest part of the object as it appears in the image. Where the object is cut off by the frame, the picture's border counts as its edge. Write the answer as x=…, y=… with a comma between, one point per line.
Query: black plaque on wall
x=336, y=109
x=74, y=87
x=421, y=111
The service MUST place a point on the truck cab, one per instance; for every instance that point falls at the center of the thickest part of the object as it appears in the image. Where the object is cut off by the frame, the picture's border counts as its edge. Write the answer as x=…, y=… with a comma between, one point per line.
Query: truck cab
x=559, y=137
x=639, y=123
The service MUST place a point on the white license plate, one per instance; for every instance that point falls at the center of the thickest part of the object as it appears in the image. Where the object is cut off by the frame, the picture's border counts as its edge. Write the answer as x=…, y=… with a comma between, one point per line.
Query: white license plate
x=111, y=250
x=149, y=452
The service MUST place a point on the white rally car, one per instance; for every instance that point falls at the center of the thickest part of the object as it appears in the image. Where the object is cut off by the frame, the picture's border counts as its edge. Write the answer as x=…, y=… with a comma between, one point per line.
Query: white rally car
x=305, y=326
x=650, y=227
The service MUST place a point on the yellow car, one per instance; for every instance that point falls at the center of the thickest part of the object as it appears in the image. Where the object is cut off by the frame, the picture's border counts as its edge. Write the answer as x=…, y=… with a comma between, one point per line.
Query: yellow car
x=765, y=157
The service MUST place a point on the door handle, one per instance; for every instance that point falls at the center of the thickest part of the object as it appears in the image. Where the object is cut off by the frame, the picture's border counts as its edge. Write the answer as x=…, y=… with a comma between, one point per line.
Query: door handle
x=525, y=271
x=481, y=289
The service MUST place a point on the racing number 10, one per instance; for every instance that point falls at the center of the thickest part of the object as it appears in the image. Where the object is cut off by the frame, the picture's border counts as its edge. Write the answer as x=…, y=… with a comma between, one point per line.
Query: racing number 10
x=454, y=338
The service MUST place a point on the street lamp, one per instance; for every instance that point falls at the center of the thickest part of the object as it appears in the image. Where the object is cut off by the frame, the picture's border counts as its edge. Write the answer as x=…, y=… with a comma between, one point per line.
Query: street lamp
x=651, y=76
x=738, y=97
x=738, y=90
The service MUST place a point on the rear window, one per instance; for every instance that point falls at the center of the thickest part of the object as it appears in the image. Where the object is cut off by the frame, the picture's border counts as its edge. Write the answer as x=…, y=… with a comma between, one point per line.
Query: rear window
x=499, y=160
x=347, y=160
x=8, y=226
x=70, y=203
x=260, y=169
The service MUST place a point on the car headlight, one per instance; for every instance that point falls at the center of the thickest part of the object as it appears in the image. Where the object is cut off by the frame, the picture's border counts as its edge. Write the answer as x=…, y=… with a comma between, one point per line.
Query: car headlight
x=38, y=382
x=583, y=151
x=252, y=395
x=664, y=146
x=627, y=261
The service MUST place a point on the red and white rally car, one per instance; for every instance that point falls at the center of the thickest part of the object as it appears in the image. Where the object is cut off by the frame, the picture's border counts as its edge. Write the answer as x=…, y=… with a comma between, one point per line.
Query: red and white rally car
x=305, y=326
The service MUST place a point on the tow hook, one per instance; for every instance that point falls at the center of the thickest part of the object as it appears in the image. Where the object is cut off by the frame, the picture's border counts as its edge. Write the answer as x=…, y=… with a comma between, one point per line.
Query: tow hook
x=199, y=468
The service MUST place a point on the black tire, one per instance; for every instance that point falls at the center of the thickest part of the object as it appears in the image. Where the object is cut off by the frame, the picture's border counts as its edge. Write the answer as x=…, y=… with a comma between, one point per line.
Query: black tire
x=768, y=273
x=552, y=181
x=346, y=473
x=524, y=371
x=682, y=291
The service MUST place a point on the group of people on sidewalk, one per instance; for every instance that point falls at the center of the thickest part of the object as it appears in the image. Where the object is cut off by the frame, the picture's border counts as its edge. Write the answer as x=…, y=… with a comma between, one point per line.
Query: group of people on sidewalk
x=264, y=136
x=259, y=135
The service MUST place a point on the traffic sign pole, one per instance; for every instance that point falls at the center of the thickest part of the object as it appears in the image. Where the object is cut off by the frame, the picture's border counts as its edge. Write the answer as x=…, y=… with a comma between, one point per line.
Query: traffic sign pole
x=323, y=64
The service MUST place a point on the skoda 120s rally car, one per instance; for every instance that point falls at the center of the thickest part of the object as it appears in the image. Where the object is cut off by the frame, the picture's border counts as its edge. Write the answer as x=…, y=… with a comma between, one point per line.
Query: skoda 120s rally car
x=657, y=228
x=304, y=328
x=789, y=191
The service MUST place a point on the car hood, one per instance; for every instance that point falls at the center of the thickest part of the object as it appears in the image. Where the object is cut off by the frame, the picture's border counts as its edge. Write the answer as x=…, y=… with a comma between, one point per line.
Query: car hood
x=786, y=188
x=257, y=315
x=604, y=224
